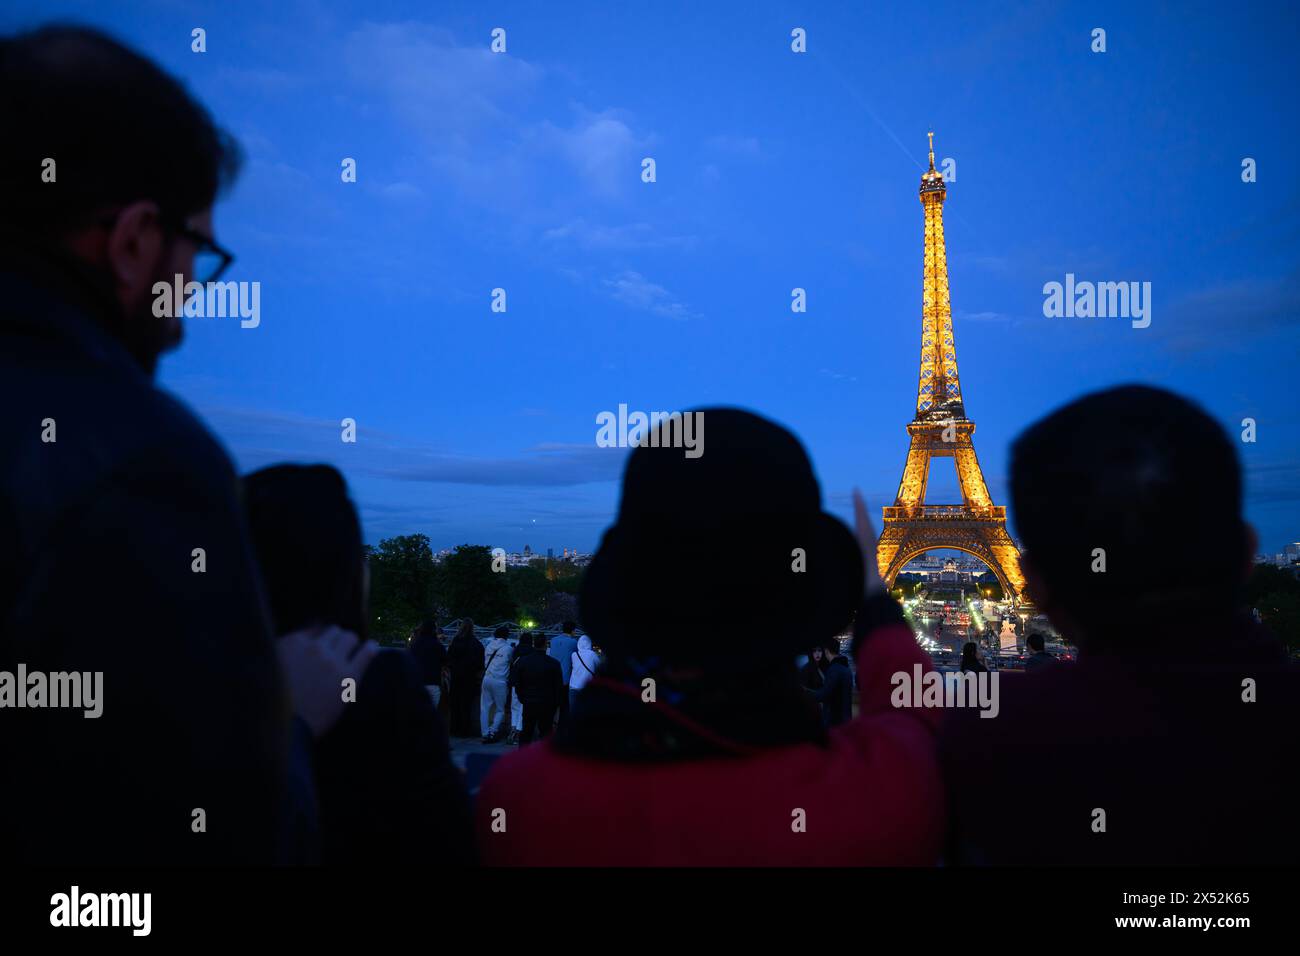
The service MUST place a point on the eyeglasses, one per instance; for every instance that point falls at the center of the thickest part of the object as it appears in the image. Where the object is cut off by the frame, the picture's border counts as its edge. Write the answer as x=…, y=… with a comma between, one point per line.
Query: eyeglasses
x=210, y=259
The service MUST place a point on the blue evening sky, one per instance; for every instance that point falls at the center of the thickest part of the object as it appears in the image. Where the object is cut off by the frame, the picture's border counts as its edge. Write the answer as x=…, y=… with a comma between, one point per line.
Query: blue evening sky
x=775, y=170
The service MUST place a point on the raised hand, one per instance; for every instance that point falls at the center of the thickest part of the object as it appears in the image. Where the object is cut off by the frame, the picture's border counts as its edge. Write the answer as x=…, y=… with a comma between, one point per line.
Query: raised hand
x=866, y=535
x=316, y=662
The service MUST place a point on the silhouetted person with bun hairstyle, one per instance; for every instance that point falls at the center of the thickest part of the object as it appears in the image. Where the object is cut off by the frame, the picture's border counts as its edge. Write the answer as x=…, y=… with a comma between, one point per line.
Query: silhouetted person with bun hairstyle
x=431, y=657
x=696, y=744
x=970, y=659
x=465, y=662
x=1171, y=740
x=388, y=791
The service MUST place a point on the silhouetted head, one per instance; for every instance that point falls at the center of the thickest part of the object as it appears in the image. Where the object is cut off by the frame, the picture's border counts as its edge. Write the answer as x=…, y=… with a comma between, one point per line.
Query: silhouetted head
x=501, y=633
x=1035, y=642
x=569, y=627
x=526, y=639
x=466, y=629
x=1105, y=491
x=307, y=539
x=969, y=653
x=137, y=164
x=758, y=570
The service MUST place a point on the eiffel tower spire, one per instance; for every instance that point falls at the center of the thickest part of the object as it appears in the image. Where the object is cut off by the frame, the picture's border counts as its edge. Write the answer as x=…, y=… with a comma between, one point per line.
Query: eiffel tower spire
x=938, y=390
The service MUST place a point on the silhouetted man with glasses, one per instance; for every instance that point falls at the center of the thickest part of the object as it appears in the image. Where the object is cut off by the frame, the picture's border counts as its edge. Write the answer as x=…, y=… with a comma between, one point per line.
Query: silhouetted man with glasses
x=122, y=546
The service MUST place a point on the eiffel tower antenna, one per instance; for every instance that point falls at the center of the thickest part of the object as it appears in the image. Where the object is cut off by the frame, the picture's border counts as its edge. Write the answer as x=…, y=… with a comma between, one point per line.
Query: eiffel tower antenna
x=941, y=429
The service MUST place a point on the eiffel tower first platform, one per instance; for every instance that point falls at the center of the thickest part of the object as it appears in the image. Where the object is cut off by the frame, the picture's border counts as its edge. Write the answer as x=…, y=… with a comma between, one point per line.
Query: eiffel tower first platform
x=942, y=430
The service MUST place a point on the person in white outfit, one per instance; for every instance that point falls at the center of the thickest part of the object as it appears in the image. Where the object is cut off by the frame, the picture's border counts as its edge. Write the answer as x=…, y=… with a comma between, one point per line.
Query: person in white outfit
x=522, y=648
x=585, y=661
x=496, y=666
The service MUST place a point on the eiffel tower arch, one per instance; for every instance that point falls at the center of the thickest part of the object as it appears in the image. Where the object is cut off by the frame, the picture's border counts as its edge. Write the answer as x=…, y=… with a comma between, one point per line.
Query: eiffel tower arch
x=905, y=544
x=941, y=429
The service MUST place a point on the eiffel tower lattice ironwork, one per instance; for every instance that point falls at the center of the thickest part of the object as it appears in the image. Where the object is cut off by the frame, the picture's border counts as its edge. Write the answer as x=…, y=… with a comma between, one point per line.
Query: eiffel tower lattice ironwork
x=942, y=430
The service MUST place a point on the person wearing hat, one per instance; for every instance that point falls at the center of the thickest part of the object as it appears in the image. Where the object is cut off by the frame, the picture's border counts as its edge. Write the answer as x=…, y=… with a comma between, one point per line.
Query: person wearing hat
x=697, y=744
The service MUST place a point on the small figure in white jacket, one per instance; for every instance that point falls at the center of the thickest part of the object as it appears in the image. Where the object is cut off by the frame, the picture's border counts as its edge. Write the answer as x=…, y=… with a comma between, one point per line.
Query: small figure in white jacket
x=585, y=662
x=492, y=702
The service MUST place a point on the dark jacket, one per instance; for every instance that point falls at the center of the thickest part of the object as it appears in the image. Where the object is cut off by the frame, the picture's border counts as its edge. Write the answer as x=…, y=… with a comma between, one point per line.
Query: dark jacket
x=430, y=656
x=538, y=680
x=836, y=694
x=1186, y=770
x=98, y=531
x=388, y=790
x=517, y=654
x=1039, y=659
x=465, y=658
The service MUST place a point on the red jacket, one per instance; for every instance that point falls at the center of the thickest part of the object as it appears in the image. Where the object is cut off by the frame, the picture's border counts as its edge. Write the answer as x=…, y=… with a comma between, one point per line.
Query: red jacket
x=873, y=796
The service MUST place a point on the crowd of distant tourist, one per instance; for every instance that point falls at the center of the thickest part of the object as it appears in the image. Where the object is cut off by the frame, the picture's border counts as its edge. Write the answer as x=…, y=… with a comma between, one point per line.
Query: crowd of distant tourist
x=496, y=691
x=508, y=691
x=247, y=716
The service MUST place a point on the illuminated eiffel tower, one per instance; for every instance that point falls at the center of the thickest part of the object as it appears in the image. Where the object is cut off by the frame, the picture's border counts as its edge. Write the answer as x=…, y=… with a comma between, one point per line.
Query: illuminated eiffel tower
x=942, y=430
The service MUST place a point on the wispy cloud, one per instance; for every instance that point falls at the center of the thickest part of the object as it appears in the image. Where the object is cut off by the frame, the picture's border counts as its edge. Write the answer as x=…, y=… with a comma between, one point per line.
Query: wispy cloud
x=541, y=466
x=999, y=265
x=600, y=147
x=259, y=438
x=1273, y=483
x=471, y=110
x=449, y=93
x=1231, y=315
x=266, y=81
x=401, y=192
x=746, y=146
x=981, y=317
x=637, y=235
x=634, y=290
x=836, y=376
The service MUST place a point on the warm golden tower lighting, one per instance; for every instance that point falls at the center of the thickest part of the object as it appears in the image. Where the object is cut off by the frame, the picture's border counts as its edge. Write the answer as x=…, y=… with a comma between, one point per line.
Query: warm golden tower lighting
x=942, y=430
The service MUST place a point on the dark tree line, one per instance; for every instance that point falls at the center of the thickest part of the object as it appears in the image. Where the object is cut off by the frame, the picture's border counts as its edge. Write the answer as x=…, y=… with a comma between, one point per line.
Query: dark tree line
x=408, y=585
x=1275, y=593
